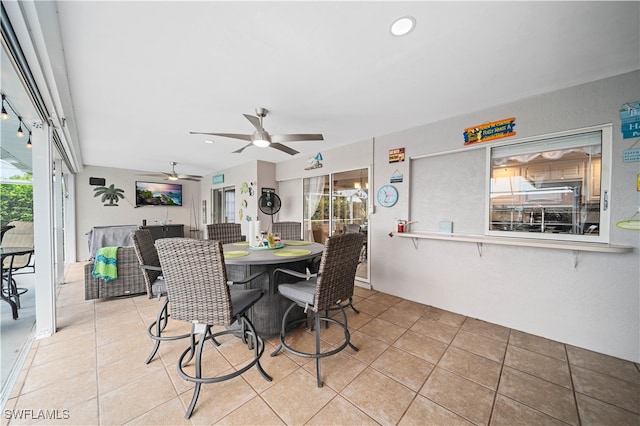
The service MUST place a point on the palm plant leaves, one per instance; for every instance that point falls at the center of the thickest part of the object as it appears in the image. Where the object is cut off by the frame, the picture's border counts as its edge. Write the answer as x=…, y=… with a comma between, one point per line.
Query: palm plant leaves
x=110, y=193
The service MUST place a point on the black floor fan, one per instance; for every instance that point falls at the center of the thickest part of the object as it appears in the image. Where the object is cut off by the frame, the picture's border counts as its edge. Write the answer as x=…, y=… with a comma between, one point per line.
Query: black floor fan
x=269, y=203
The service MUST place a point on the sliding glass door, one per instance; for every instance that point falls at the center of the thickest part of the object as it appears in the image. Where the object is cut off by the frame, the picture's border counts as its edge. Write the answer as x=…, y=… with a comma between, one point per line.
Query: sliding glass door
x=338, y=203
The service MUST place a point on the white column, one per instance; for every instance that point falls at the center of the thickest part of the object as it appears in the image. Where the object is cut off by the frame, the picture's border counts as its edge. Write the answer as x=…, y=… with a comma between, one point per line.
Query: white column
x=43, y=224
x=58, y=225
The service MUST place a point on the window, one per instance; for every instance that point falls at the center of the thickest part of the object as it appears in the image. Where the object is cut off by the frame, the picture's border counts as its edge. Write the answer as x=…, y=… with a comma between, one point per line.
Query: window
x=554, y=188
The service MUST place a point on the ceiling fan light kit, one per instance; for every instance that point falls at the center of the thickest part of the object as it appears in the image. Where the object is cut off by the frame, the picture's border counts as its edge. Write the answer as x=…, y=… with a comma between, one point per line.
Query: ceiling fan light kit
x=261, y=138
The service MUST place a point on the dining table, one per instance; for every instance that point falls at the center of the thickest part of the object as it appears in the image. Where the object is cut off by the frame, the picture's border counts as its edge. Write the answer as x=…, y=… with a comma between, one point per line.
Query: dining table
x=242, y=260
x=10, y=293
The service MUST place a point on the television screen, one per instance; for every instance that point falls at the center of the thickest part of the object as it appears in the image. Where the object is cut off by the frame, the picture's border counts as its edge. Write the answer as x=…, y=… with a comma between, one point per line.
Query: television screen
x=158, y=194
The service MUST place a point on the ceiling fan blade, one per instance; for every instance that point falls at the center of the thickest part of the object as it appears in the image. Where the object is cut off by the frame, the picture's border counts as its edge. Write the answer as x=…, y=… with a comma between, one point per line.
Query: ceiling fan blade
x=189, y=177
x=296, y=137
x=254, y=120
x=238, y=151
x=283, y=148
x=162, y=174
x=226, y=135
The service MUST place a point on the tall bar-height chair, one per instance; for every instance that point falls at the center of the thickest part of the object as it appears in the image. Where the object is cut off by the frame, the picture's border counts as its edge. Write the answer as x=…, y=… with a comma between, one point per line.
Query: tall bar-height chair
x=196, y=279
x=330, y=288
x=225, y=232
x=287, y=230
x=147, y=255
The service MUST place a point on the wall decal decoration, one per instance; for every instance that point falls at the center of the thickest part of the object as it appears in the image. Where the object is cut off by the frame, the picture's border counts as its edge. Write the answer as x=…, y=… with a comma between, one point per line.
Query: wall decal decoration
x=110, y=193
x=314, y=162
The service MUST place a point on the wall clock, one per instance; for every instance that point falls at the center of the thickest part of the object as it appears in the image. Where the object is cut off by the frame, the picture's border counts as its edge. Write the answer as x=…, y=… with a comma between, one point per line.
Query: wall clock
x=387, y=195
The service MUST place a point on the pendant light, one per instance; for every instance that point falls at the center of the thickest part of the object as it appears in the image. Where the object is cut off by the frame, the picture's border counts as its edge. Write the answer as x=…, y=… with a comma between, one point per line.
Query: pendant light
x=4, y=113
x=20, y=132
x=29, y=141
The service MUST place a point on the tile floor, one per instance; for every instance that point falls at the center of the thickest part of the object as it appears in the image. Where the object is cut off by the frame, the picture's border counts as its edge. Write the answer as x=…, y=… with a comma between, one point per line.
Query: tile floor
x=416, y=365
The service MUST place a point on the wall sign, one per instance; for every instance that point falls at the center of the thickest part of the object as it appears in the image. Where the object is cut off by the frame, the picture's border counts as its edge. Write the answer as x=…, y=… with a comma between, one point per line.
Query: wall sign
x=630, y=120
x=396, y=155
x=631, y=155
x=489, y=131
x=218, y=179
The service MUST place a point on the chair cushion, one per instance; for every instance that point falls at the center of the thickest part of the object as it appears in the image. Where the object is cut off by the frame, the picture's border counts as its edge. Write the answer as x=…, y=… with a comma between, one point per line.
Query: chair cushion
x=303, y=292
x=241, y=300
x=159, y=288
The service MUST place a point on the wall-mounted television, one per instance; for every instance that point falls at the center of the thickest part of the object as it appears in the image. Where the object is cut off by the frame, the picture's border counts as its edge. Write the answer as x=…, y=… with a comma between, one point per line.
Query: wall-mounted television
x=158, y=194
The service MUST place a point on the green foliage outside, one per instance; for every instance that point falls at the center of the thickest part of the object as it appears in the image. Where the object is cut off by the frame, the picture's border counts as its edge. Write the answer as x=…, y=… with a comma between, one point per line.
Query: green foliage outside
x=16, y=201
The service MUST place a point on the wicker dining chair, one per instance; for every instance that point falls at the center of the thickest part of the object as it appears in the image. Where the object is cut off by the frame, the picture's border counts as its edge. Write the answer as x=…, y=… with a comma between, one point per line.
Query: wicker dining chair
x=330, y=288
x=196, y=279
x=147, y=255
x=225, y=232
x=287, y=230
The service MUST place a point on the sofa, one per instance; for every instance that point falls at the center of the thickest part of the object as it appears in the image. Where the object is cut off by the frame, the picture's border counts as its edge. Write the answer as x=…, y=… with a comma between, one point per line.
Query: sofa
x=130, y=278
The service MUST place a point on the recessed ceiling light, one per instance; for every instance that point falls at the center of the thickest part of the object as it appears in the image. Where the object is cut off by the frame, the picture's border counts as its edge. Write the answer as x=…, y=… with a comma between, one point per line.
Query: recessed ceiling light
x=403, y=26
x=208, y=141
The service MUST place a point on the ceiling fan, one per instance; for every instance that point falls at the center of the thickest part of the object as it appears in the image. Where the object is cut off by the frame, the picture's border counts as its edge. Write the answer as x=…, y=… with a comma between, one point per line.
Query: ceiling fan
x=173, y=175
x=262, y=138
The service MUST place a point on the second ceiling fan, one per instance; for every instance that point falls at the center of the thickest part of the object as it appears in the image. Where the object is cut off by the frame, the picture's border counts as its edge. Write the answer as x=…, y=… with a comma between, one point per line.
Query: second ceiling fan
x=262, y=138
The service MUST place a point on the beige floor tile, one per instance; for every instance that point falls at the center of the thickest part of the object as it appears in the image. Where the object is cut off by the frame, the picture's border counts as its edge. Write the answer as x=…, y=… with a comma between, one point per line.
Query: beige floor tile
x=459, y=395
x=278, y=367
x=383, y=330
x=63, y=349
x=403, y=367
x=370, y=307
x=384, y=299
x=438, y=330
x=168, y=413
x=86, y=413
x=136, y=398
x=607, y=389
x=356, y=321
x=497, y=332
x=380, y=397
x=369, y=348
x=399, y=317
x=423, y=411
x=553, y=400
x=507, y=412
x=43, y=375
x=411, y=307
x=254, y=412
x=478, y=369
x=339, y=412
x=363, y=292
x=293, y=406
x=337, y=371
x=421, y=346
x=595, y=412
x=119, y=373
x=446, y=317
x=218, y=400
x=480, y=345
x=537, y=344
x=544, y=367
x=62, y=395
x=614, y=367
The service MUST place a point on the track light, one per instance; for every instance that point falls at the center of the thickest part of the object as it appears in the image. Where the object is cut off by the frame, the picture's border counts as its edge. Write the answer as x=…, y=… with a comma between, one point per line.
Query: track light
x=4, y=114
x=20, y=132
x=29, y=141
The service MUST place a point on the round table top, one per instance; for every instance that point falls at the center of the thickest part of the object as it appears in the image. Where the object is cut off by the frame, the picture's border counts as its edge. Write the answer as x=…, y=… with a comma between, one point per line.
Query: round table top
x=267, y=257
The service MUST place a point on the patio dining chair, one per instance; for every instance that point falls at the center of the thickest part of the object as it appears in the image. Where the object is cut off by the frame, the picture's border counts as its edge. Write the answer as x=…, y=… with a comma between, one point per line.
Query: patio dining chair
x=147, y=255
x=225, y=232
x=196, y=279
x=287, y=230
x=331, y=288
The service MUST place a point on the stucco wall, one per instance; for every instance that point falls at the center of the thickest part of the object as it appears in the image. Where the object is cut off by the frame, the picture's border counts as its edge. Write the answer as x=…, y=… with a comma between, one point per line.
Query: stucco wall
x=91, y=212
x=595, y=305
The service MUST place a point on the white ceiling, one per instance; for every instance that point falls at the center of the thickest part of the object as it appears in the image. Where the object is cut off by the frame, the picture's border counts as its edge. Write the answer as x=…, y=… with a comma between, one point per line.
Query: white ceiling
x=144, y=74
